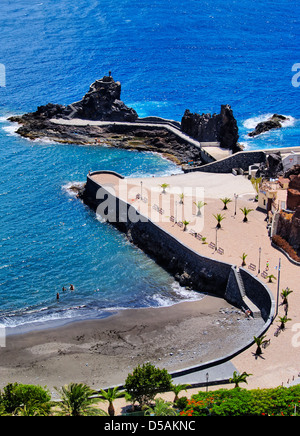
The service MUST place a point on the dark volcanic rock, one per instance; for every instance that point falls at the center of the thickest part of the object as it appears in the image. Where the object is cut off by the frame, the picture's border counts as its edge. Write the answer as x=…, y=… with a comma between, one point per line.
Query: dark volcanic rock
x=275, y=122
x=220, y=128
x=101, y=103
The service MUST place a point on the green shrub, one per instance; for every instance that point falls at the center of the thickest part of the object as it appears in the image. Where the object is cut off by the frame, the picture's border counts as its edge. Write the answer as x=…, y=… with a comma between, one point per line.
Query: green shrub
x=33, y=398
x=243, y=402
x=145, y=382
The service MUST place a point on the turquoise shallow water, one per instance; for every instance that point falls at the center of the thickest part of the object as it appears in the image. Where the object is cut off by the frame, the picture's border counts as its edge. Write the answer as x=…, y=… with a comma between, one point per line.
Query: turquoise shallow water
x=169, y=56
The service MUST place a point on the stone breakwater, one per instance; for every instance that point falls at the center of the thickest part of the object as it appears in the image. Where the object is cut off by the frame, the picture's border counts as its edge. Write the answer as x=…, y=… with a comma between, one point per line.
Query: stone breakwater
x=238, y=287
x=103, y=102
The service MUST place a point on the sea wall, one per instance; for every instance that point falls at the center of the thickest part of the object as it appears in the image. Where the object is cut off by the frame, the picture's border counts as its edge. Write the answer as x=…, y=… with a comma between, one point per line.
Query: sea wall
x=242, y=159
x=187, y=266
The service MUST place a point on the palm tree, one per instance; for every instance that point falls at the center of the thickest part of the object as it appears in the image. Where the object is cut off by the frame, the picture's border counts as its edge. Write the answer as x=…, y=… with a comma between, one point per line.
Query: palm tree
x=270, y=277
x=219, y=218
x=245, y=211
x=177, y=389
x=284, y=294
x=161, y=408
x=185, y=223
x=77, y=400
x=259, y=342
x=239, y=378
x=181, y=196
x=225, y=201
x=256, y=183
x=283, y=320
x=32, y=408
x=243, y=257
x=164, y=186
x=110, y=395
x=199, y=205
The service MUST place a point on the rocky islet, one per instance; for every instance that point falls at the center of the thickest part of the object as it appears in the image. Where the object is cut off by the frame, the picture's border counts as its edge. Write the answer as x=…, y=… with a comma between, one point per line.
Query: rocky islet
x=103, y=103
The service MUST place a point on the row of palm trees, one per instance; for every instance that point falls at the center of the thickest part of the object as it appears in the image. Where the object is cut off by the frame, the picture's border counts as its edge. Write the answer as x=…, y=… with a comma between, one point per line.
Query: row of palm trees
x=78, y=399
x=262, y=341
x=219, y=217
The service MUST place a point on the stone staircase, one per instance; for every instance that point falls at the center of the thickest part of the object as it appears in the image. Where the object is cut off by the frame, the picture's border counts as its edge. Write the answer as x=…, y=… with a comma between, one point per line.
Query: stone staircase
x=255, y=312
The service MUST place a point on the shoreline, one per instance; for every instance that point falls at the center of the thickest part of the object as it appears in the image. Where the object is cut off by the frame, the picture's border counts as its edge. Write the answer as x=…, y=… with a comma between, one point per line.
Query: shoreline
x=102, y=352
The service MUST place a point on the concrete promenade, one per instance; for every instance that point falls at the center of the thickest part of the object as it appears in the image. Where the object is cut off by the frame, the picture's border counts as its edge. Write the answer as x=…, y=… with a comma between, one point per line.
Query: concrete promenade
x=279, y=363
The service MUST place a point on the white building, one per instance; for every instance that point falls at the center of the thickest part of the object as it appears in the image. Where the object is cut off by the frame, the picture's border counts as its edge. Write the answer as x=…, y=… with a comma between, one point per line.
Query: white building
x=290, y=160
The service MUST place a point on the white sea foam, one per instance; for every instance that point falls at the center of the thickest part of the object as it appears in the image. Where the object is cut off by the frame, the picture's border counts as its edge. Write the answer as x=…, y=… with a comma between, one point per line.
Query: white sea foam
x=11, y=130
x=180, y=294
x=68, y=188
x=252, y=122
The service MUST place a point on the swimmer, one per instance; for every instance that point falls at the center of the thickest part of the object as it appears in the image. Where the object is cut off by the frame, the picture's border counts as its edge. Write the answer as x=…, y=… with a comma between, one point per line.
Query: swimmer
x=71, y=288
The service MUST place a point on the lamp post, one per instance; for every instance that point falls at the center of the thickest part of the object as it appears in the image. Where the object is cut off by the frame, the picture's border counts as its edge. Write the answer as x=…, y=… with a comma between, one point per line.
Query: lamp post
x=278, y=282
x=141, y=190
x=216, y=245
x=235, y=201
x=259, y=256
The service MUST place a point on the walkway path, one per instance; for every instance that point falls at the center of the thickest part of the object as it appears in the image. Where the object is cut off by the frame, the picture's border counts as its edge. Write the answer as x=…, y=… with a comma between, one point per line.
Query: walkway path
x=211, y=148
x=280, y=361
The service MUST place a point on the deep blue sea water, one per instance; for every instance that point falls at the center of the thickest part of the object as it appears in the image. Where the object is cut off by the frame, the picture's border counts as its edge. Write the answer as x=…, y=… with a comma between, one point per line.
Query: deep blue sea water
x=168, y=55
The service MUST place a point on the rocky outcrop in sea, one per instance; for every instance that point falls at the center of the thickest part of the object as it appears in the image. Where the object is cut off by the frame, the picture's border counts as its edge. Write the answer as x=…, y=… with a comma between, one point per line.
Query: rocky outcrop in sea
x=275, y=122
x=220, y=127
x=103, y=102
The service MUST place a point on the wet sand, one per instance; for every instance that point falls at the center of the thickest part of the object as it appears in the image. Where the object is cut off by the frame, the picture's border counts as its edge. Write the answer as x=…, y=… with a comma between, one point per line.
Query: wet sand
x=102, y=352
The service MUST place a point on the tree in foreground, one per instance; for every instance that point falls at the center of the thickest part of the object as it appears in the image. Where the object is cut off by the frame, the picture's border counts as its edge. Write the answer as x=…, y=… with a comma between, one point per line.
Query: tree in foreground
x=145, y=382
x=111, y=395
x=77, y=400
x=238, y=378
x=177, y=389
x=21, y=399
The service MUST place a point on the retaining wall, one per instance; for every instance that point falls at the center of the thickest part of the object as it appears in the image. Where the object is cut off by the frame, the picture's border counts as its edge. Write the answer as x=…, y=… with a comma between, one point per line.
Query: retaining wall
x=242, y=159
x=187, y=266
x=200, y=272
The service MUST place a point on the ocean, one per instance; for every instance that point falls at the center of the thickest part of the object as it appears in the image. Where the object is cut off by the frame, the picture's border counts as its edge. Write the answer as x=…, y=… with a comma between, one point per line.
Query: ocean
x=169, y=56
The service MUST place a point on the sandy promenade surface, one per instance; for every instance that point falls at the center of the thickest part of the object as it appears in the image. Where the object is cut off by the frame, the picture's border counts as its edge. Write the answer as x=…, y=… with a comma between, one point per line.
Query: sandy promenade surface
x=101, y=353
